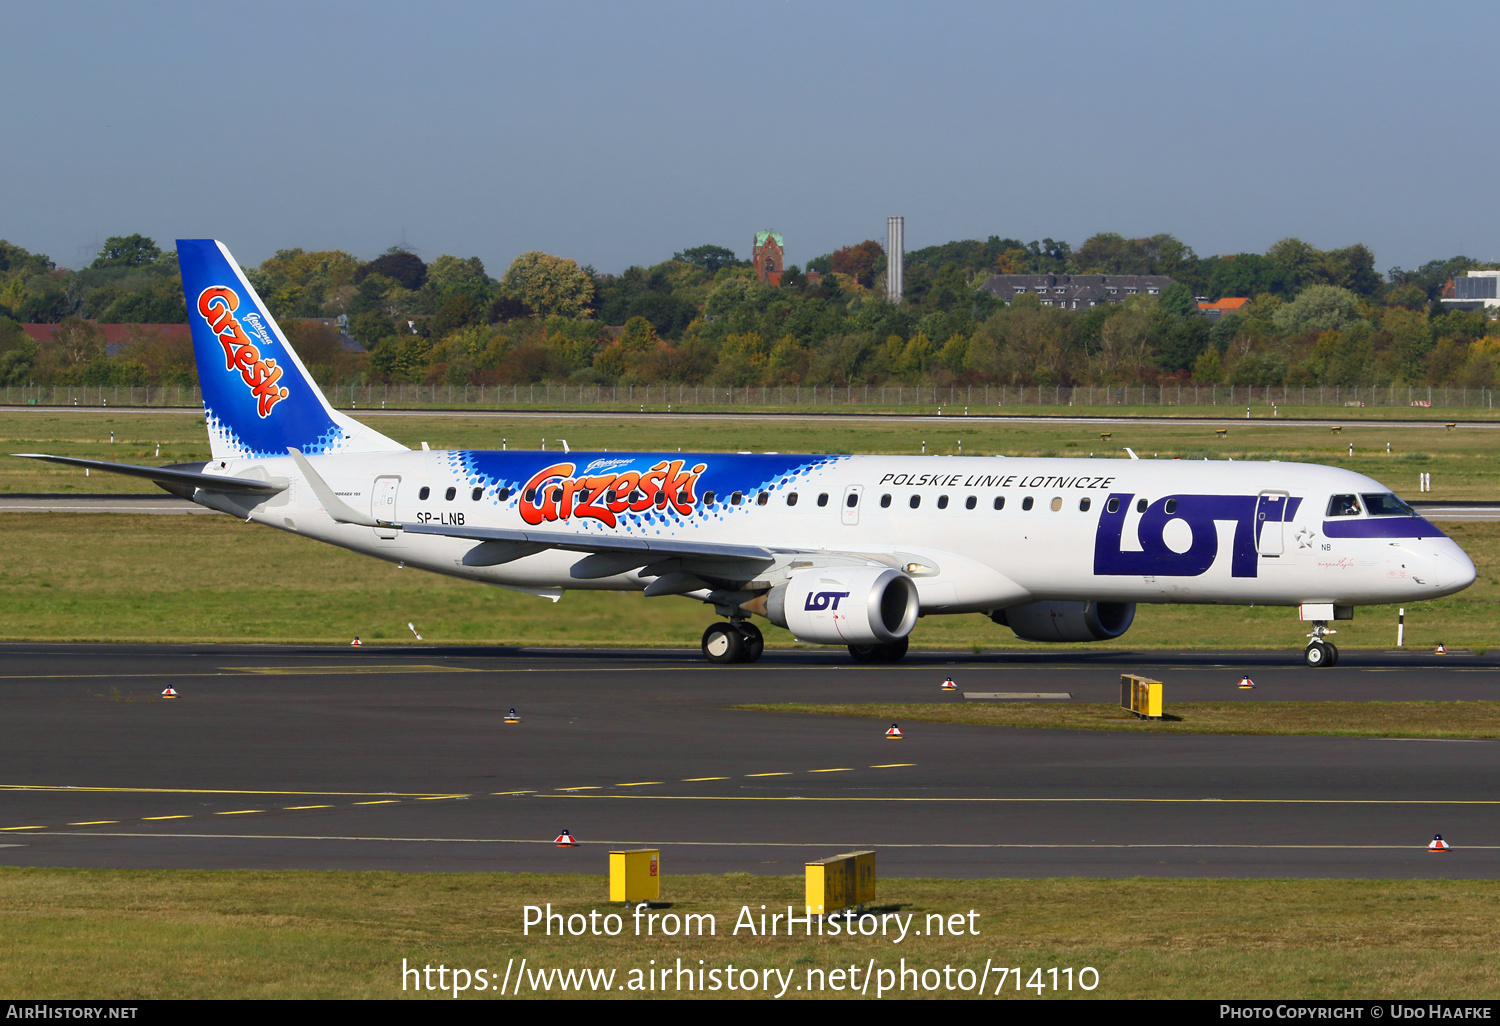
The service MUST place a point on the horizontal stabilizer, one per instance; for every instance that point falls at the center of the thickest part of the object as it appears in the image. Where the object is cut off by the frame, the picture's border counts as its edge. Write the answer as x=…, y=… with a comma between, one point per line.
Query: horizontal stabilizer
x=172, y=475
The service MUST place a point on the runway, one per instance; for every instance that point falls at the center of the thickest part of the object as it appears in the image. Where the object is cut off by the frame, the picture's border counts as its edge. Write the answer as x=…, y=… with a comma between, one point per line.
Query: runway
x=826, y=414
x=398, y=758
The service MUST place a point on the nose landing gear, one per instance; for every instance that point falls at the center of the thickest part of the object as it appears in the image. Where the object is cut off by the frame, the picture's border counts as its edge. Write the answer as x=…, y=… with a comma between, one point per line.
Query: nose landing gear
x=1320, y=652
x=738, y=641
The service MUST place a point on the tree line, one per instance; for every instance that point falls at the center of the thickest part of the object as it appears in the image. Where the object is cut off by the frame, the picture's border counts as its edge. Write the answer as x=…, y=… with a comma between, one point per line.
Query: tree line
x=1315, y=317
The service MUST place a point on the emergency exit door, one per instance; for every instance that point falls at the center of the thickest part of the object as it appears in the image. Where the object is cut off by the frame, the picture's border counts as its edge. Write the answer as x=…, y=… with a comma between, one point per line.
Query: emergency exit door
x=383, y=504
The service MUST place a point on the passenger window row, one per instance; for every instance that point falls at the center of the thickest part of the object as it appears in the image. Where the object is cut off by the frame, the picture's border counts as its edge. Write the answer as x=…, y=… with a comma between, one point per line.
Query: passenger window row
x=764, y=498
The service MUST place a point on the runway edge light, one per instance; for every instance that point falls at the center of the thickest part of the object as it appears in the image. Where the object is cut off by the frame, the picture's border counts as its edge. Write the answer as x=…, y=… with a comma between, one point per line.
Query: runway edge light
x=1438, y=844
x=514, y=717
x=894, y=734
x=635, y=875
x=948, y=685
x=170, y=692
x=356, y=641
x=565, y=840
x=1246, y=683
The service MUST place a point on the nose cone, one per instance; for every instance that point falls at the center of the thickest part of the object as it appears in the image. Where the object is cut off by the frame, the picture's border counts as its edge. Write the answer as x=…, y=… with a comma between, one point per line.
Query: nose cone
x=1452, y=569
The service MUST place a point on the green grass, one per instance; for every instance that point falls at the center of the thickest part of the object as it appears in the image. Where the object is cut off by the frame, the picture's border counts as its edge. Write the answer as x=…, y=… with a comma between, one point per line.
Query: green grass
x=1337, y=719
x=138, y=934
x=95, y=577
x=1465, y=464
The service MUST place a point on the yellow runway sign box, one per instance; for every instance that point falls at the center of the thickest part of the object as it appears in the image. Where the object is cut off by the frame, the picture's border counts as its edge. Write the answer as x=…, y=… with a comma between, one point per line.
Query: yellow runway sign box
x=1141, y=695
x=635, y=875
x=844, y=881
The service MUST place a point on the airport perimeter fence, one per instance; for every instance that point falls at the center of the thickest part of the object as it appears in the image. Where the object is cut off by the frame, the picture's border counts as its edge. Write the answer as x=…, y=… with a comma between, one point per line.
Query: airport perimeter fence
x=978, y=398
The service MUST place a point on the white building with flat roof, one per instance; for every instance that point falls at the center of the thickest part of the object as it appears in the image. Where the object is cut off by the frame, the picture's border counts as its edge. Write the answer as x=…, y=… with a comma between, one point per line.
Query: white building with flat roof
x=1475, y=290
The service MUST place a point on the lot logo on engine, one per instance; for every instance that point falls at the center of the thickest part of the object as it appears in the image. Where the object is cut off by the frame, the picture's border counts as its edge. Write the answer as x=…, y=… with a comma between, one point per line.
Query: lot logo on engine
x=824, y=600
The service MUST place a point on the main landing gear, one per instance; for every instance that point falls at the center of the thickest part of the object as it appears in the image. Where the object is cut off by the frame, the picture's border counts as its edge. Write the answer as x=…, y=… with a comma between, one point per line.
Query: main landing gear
x=1320, y=652
x=738, y=641
x=891, y=652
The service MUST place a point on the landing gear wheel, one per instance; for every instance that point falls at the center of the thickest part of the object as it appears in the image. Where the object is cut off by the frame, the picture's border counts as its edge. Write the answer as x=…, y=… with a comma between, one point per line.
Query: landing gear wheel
x=722, y=643
x=1317, y=654
x=890, y=652
x=754, y=641
x=1333, y=653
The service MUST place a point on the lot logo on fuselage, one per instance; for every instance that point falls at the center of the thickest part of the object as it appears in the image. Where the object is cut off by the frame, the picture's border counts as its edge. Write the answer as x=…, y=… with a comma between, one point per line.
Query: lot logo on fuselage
x=555, y=493
x=217, y=306
x=1201, y=514
x=824, y=600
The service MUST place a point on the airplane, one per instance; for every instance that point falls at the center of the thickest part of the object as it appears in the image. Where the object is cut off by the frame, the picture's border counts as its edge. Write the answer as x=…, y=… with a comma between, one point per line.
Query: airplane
x=840, y=550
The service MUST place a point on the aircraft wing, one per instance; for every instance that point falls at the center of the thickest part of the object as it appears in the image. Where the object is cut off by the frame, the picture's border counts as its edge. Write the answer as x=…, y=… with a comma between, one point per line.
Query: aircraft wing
x=171, y=475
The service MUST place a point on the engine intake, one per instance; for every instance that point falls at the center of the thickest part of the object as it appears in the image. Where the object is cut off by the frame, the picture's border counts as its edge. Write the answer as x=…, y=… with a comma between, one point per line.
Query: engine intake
x=1067, y=621
x=861, y=605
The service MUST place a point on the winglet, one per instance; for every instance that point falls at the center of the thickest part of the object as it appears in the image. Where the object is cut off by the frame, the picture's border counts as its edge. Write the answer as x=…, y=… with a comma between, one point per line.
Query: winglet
x=336, y=507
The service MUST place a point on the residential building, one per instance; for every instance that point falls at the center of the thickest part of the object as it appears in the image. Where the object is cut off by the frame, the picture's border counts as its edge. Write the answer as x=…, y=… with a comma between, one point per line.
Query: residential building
x=1221, y=307
x=1474, y=291
x=1076, y=291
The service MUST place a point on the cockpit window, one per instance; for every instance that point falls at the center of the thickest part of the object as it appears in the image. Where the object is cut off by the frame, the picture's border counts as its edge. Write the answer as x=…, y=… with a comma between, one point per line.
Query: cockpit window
x=1343, y=506
x=1387, y=505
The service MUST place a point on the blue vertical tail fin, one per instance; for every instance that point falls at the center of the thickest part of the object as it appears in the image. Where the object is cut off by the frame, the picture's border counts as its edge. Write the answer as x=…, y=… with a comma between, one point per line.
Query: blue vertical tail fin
x=258, y=398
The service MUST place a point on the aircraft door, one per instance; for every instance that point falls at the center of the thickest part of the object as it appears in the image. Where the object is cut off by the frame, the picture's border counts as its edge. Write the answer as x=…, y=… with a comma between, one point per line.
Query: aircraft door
x=383, y=504
x=1270, y=517
x=850, y=510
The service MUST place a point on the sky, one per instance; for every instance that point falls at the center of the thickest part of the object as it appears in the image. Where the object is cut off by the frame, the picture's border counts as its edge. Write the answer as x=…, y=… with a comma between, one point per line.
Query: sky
x=617, y=133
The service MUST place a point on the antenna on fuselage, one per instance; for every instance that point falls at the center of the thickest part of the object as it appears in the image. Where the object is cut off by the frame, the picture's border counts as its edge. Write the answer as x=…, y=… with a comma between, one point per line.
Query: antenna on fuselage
x=564, y=441
x=1132, y=453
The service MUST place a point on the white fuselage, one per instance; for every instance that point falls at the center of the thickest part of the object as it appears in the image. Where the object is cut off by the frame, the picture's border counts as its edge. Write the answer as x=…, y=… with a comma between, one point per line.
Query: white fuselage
x=1067, y=529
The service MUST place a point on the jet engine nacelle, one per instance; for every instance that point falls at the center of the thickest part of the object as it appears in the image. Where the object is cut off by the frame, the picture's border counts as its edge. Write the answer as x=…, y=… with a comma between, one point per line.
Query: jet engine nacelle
x=1068, y=621
x=860, y=605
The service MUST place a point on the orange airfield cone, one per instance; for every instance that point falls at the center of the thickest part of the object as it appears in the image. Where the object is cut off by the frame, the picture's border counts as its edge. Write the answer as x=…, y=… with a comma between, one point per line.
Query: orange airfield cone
x=1438, y=844
x=565, y=840
x=170, y=692
x=948, y=685
x=1246, y=683
x=894, y=734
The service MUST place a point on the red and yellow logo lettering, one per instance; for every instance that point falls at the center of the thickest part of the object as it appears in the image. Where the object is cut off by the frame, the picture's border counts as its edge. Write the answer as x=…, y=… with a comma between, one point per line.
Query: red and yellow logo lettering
x=555, y=493
x=217, y=306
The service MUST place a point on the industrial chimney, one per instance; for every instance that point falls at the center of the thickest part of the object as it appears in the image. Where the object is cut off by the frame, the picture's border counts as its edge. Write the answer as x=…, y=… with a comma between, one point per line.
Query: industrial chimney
x=895, y=253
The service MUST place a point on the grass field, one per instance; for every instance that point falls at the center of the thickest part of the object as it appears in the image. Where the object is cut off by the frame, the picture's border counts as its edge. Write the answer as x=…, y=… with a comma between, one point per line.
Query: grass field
x=93, y=577
x=233, y=934
x=1464, y=464
x=1336, y=719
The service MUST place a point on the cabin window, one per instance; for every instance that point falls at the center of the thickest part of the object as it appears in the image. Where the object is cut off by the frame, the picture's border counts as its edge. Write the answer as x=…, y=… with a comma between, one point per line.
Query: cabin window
x=504, y=494
x=661, y=500
x=853, y=500
x=763, y=498
x=999, y=502
x=1140, y=506
x=708, y=498
x=475, y=494
x=791, y=498
x=1112, y=506
x=970, y=502
x=529, y=496
x=1084, y=504
x=885, y=501
x=823, y=499
x=1027, y=503
x=557, y=495
x=1057, y=503
x=735, y=498
x=915, y=501
x=1171, y=506
x=1343, y=506
x=424, y=493
x=450, y=494
x=942, y=502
